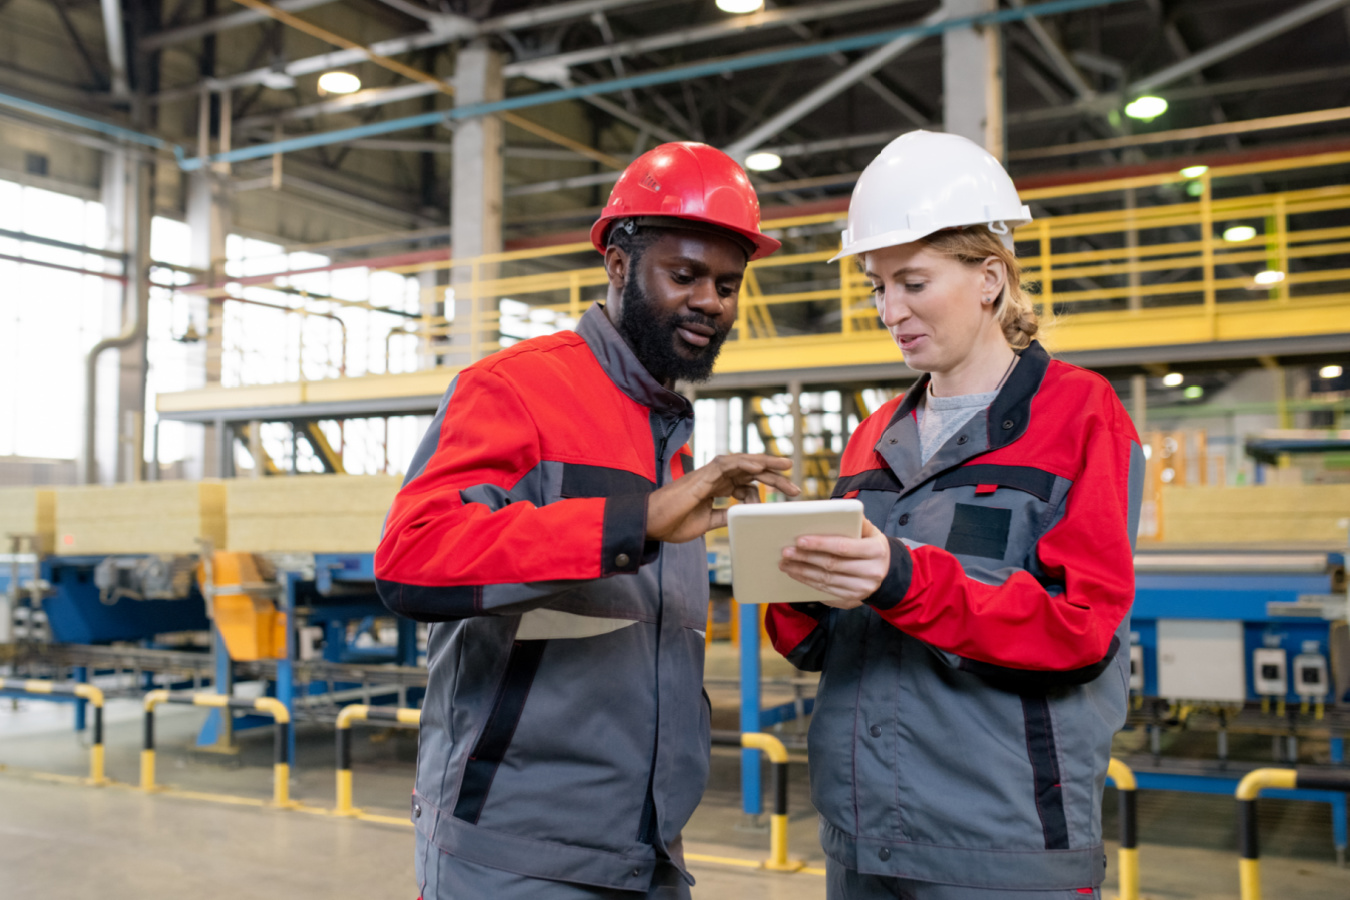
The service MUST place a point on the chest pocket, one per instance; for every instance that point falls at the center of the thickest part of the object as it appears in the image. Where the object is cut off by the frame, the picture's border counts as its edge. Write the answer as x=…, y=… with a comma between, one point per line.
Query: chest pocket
x=1004, y=496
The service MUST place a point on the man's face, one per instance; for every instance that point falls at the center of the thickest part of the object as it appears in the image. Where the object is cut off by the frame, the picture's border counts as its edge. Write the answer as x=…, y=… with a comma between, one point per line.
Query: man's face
x=679, y=303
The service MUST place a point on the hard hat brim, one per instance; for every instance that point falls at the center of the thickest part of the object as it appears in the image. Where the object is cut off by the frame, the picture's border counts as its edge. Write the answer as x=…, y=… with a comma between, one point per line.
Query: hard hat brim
x=763, y=244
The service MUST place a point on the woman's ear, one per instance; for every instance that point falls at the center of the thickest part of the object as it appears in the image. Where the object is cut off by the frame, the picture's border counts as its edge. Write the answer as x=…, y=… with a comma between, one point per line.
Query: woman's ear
x=994, y=277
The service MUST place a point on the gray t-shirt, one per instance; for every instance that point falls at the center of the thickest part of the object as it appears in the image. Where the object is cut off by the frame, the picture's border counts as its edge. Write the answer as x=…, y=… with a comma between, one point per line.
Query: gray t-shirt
x=941, y=417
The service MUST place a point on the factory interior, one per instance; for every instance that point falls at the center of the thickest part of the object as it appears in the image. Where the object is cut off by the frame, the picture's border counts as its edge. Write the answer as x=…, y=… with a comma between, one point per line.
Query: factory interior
x=247, y=245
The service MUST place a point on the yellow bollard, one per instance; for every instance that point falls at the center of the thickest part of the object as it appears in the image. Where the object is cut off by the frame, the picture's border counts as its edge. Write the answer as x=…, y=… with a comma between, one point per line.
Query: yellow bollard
x=772, y=747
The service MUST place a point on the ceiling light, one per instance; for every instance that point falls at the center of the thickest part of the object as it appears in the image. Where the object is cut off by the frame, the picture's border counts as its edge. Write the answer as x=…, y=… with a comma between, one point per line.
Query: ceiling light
x=1146, y=108
x=1194, y=392
x=1269, y=276
x=1173, y=379
x=1239, y=233
x=1194, y=171
x=738, y=7
x=763, y=161
x=339, y=82
x=1330, y=372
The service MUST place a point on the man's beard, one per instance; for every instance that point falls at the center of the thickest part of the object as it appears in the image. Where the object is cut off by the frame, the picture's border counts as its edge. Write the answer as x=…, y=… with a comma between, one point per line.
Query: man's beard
x=652, y=338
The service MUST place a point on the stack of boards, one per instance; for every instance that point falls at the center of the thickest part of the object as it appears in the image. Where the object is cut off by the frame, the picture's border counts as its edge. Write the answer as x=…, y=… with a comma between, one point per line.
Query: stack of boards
x=1306, y=514
x=316, y=513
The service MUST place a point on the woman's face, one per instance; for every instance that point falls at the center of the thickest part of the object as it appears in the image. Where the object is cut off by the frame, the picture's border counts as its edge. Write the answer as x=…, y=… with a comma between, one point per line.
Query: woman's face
x=933, y=305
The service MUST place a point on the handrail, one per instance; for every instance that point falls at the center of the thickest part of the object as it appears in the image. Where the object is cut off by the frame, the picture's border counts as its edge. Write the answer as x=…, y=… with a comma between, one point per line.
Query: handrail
x=773, y=748
x=1248, y=789
x=358, y=712
x=85, y=692
x=281, y=770
x=1123, y=777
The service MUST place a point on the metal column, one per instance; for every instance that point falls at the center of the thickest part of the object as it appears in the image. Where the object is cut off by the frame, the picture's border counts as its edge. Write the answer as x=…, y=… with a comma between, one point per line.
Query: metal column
x=475, y=198
x=208, y=218
x=972, y=77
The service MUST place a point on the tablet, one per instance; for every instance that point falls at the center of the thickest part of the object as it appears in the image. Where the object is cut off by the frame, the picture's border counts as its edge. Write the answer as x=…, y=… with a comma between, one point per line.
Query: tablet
x=760, y=531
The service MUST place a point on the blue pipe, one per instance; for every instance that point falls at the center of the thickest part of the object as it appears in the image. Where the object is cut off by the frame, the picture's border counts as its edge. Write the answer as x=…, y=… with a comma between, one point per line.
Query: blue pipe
x=665, y=76
x=70, y=118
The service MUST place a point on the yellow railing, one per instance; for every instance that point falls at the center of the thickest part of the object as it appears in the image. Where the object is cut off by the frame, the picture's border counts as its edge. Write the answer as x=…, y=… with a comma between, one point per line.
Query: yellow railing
x=1149, y=253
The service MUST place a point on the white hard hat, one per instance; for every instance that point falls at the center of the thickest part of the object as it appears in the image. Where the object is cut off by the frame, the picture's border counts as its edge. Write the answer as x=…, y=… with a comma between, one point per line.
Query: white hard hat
x=923, y=182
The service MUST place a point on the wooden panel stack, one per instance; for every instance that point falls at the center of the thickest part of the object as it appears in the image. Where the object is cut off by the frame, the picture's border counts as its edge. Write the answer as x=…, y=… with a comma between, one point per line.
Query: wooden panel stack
x=26, y=510
x=315, y=513
x=147, y=517
x=1295, y=514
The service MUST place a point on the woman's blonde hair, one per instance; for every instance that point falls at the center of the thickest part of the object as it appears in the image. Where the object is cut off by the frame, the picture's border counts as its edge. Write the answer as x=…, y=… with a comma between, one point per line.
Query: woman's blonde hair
x=973, y=245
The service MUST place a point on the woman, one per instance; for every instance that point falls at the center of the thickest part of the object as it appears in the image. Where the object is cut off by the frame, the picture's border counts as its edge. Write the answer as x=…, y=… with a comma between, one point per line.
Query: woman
x=974, y=649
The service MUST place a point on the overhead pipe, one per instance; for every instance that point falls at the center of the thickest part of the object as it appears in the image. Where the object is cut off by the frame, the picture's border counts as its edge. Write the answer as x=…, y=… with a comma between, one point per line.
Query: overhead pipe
x=117, y=46
x=667, y=76
x=136, y=297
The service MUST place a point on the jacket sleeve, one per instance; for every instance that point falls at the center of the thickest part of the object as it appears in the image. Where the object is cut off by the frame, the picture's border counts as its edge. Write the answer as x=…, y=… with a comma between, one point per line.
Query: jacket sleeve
x=799, y=631
x=1063, y=621
x=467, y=534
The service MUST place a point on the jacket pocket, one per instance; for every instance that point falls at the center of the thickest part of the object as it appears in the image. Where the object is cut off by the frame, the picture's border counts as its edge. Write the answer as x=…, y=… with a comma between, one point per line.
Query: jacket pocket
x=1046, y=778
x=481, y=768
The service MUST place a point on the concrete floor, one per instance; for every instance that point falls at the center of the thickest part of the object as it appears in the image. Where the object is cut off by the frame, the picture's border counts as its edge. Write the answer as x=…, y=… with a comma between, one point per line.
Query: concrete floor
x=66, y=840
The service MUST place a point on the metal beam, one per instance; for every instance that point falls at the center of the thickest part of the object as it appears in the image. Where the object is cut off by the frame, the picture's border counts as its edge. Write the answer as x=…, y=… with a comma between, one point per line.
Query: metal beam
x=837, y=85
x=117, y=46
x=437, y=37
x=1236, y=44
x=170, y=36
x=1058, y=58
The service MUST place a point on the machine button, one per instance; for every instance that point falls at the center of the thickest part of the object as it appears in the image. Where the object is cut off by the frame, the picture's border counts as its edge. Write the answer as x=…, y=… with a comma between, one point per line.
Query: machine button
x=884, y=853
x=904, y=518
x=621, y=560
x=876, y=730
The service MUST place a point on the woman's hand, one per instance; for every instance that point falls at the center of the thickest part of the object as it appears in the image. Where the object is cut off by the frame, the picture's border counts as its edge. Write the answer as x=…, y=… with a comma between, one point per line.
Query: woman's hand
x=848, y=570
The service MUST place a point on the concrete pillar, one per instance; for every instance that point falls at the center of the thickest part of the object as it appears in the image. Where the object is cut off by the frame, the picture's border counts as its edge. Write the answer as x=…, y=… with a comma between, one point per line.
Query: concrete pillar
x=972, y=77
x=208, y=218
x=475, y=197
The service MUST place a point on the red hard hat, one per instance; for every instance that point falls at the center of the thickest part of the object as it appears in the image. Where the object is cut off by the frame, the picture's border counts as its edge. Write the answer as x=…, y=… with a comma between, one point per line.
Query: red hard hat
x=690, y=181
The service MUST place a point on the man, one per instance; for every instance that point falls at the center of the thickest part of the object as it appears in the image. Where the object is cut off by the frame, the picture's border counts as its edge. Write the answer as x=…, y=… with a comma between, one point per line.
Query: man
x=551, y=526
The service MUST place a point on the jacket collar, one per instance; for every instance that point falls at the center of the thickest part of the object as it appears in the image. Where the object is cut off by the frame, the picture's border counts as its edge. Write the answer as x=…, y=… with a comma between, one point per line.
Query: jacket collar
x=1003, y=422
x=623, y=367
x=1013, y=403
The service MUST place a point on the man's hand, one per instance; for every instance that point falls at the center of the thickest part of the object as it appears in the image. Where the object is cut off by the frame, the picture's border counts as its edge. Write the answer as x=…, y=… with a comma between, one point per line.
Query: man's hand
x=848, y=570
x=683, y=509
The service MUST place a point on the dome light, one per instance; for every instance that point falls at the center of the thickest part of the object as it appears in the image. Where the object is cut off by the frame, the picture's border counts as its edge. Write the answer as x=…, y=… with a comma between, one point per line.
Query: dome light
x=1269, y=276
x=1173, y=379
x=1239, y=233
x=1330, y=372
x=740, y=7
x=1194, y=171
x=1146, y=108
x=339, y=82
x=763, y=161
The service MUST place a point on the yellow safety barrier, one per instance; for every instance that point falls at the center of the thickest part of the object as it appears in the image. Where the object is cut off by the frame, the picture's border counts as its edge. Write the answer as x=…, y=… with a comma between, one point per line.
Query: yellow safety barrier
x=773, y=748
x=281, y=770
x=1248, y=789
x=1123, y=777
x=355, y=713
x=85, y=692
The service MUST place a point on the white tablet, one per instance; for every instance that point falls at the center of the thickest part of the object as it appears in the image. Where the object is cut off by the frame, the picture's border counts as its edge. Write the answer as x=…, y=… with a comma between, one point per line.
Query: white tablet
x=760, y=531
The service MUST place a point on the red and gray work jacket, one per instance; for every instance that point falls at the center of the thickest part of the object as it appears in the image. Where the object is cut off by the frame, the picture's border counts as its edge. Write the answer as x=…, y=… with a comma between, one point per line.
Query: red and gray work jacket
x=564, y=733
x=963, y=723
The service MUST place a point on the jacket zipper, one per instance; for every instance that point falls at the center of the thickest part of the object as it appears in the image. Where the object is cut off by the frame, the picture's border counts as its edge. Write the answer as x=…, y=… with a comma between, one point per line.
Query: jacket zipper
x=647, y=828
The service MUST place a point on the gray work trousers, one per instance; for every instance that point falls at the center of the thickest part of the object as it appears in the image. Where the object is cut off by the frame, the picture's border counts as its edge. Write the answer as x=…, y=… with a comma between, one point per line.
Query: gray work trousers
x=445, y=877
x=843, y=883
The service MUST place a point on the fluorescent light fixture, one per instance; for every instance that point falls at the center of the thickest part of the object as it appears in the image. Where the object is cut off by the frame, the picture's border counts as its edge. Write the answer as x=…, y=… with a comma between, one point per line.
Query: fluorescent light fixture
x=1194, y=171
x=1239, y=233
x=1146, y=108
x=1173, y=379
x=1330, y=372
x=763, y=161
x=1269, y=276
x=740, y=7
x=1194, y=392
x=339, y=82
